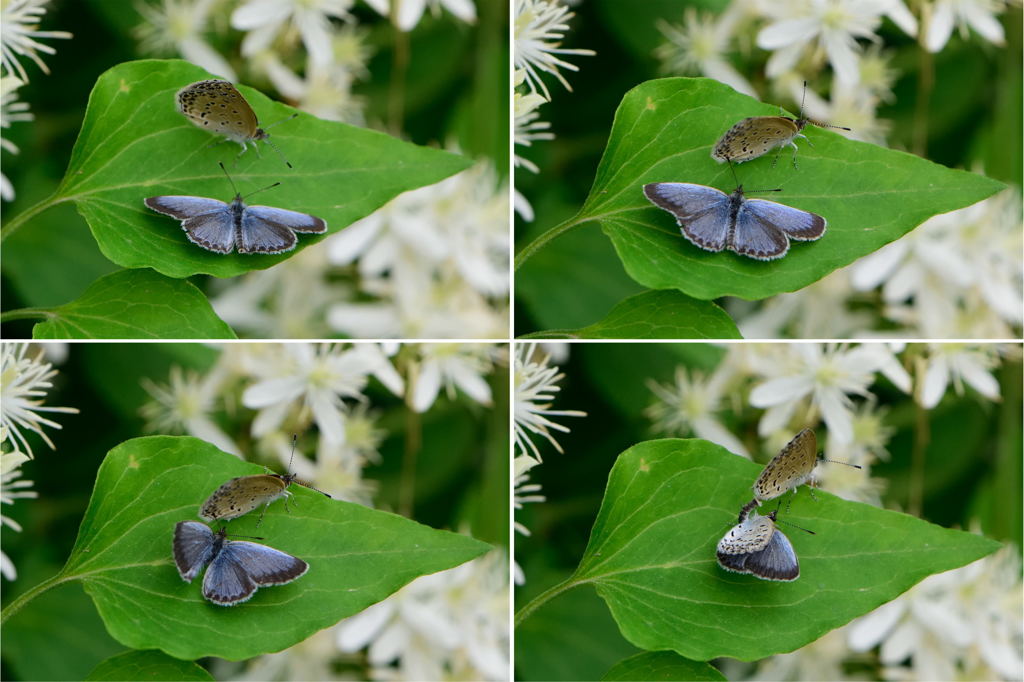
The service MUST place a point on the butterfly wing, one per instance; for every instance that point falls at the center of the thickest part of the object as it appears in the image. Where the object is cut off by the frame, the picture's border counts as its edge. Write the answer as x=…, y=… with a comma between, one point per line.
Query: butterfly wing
x=192, y=547
x=754, y=137
x=241, y=495
x=755, y=237
x=226, y=581
x=218, y=107
x=777, y=561
x=207, y=222
x=703, y=213
x=266, y=565
x=790, y=468
x=751, y=535
x=797, y=224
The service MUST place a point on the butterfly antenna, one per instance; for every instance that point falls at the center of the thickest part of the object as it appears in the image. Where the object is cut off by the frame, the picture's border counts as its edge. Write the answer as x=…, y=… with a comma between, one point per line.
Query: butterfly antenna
x=803, y=99
x=283, y=120
x=836, y=461
x=305, y=484
x=274, y=147
x=774, y=518
x=295, y=437
x=228, y=175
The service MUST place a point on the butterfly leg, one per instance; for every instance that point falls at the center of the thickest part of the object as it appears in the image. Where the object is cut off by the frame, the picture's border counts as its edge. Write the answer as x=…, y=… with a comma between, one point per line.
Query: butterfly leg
x=260, y=520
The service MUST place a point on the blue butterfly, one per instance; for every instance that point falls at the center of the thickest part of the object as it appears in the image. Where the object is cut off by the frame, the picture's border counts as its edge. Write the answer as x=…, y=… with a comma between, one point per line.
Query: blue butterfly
x=714, y=220
x=236, y=569
x=221, y=227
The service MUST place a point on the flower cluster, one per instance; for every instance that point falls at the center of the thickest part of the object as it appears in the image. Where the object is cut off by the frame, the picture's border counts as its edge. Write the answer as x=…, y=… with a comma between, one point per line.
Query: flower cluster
x=538, y=29
x=804, y=384
x=24, y=382
x=19, y=29
x=536, y=383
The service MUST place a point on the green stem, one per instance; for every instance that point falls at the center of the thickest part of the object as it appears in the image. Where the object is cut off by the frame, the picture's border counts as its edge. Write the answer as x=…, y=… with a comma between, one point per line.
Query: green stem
x=399, y=69
x=31, y=594
x=925, y=85
x=545, y=596
x=407, y=481
x=541, y=241
x=23, y=217
x=26, y=314
x=922, y=435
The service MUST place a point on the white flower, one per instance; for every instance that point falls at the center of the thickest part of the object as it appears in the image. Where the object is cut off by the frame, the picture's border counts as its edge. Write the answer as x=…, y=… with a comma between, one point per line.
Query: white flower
x=832, y=26
x=978, y=14
x=950, y=264
x=827, y=376
x=410, y=11
x=289, y=300
x=177, y=27
x=266, y=19
x=538, y=30
x=19, y=20
x=12, y=489
x=690, y=405
x=699, y=46
x=958, y=363
x=526, y=127
x=536, y=384
x=967, y=618
x=319, y=378
x=11, y=110
x=325, y=91
x=23, y=385
x=451, y=365
x=184, y=405
x=438, y=626
x=436, y=258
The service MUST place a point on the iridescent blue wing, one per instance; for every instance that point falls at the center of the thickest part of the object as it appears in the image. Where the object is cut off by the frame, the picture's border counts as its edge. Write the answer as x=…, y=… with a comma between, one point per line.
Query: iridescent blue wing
x=226, y=581
x=777, y=561
x=207, y=222
x=192, y=547
x=755, y=236
x=272, y=230
x=797, y=224
x=266, y=565
x=702, y=212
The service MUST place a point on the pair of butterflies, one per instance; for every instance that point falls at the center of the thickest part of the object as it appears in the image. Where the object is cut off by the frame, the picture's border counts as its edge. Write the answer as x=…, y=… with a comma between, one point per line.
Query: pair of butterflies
x=236, y=568
x=217, y=226
x=755, y=545
x=757, y=228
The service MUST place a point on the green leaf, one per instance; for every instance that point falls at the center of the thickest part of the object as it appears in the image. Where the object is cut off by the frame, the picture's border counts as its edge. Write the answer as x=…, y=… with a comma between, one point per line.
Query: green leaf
x=661, y=666
x=656, y=315
x=147, y=665
x=135, y=304
x=357, y=556
x=651, y=556
x=134, y=144
x=663, y=132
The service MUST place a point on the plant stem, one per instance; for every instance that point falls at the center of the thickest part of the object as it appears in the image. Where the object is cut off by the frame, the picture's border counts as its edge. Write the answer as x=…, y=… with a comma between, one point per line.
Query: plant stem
x=545, y=596
x=25, y=314
x=31, y=594
x=413, y=444
x=925, y=85
x=922, y=436
x=537, y=244
x=20, y=219
x=399, y=69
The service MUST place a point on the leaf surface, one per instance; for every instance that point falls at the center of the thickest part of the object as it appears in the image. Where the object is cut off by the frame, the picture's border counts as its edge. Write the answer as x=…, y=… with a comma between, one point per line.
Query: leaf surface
x=663, y=132
x=147, y=665
x=135, y=304
x=134, y=144
x=651, y=556
x=656, y=315
x=357, y=556
x=661, y=666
